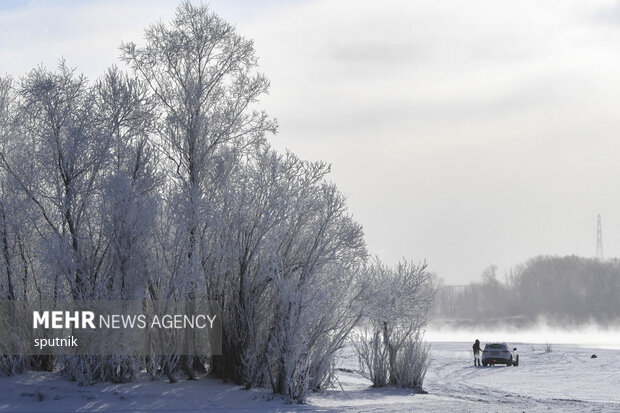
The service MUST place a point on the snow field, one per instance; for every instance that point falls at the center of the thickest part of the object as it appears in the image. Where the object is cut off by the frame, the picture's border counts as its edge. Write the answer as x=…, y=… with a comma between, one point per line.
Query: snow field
x=566, y=379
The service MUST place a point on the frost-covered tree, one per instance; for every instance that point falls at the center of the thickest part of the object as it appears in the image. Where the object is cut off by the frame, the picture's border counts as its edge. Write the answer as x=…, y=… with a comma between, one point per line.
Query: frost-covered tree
x=202, y=76
x=9, y=287
x=160, y=184
x=55, y=156
x=556, y=290
x=294, y=282
x=130, y=197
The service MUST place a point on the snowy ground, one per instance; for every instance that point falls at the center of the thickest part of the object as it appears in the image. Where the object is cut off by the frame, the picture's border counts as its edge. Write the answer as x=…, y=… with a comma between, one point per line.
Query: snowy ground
x=565, y=380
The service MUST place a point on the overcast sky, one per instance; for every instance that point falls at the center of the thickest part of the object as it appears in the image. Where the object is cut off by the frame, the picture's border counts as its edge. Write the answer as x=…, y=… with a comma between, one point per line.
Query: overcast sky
x=463, y=133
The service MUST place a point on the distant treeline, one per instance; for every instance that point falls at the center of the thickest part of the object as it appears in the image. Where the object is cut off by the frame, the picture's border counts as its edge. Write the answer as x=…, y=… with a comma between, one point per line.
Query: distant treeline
x=560, y=290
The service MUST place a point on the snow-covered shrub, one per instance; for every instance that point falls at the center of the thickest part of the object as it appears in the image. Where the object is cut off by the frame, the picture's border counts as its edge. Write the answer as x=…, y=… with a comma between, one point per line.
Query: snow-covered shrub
x=409, y=367
x=10, y=365
x=372, y=356
x=412, y=362
x=398, y=301
x=90, y=369
x=81, y=369
x=119, y=368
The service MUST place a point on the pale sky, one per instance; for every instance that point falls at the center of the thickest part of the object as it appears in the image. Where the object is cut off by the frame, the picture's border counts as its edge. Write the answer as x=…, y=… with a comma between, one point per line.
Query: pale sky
x=463, y=133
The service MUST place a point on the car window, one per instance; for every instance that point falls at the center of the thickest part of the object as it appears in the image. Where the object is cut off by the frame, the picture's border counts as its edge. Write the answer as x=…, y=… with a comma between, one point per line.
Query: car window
x=495, y=346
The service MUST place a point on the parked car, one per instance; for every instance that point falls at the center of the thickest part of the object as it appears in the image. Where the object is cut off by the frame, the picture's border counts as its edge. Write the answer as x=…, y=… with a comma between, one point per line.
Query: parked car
x=499, y=353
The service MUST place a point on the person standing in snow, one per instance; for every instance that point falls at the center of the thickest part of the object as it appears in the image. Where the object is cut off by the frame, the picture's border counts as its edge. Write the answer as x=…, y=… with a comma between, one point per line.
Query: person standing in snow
x=476, y=348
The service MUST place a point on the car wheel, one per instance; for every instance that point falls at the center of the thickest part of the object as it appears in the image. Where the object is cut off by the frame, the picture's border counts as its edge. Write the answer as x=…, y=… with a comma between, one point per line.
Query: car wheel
x=509, y=363
x=484, y=364
x=516, y=363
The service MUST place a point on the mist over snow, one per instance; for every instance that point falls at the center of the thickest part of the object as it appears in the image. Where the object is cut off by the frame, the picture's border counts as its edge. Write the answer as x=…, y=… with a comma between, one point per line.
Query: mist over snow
x=591, y=336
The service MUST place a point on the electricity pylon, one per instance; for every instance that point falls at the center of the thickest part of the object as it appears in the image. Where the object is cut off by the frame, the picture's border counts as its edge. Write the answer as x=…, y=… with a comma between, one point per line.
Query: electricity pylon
x=599, y=239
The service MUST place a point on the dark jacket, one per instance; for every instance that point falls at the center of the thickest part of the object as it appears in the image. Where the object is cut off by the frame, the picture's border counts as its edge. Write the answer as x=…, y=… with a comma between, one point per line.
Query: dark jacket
x=476, y=347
